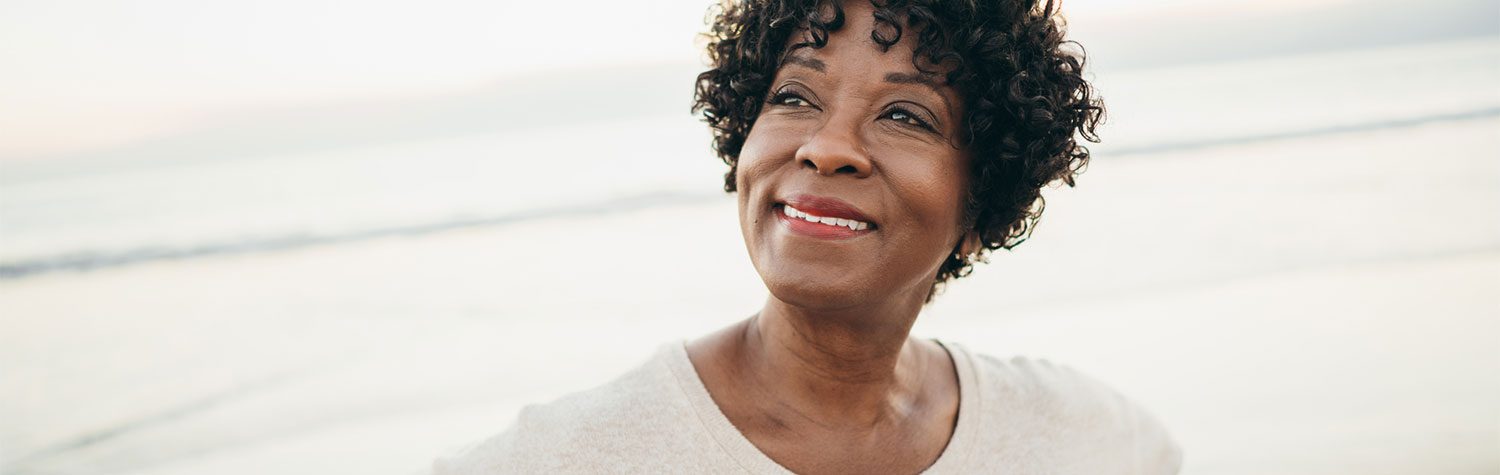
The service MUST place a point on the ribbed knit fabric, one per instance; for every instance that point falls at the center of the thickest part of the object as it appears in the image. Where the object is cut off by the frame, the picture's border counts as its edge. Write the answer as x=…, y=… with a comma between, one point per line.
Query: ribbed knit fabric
x=1015, y=416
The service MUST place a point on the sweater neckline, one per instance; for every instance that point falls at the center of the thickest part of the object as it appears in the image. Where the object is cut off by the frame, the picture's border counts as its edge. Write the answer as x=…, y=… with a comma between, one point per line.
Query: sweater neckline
x=748, y=456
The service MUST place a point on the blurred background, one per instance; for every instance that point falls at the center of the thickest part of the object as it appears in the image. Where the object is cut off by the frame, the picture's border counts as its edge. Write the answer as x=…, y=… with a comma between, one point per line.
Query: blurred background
x=319, y=236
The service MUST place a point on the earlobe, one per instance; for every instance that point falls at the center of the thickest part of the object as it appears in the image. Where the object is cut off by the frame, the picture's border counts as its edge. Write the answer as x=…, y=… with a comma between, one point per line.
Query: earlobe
x=969, y=244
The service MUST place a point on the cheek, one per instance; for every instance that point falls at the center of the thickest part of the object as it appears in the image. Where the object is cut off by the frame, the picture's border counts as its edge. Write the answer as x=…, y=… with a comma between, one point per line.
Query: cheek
x=769, y=147
x=757, y=161
x=932, y=197
x=762, y=146
x=932, y=192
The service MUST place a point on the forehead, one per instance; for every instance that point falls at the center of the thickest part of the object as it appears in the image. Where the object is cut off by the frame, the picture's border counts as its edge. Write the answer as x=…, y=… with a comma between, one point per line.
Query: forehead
x=854, y=46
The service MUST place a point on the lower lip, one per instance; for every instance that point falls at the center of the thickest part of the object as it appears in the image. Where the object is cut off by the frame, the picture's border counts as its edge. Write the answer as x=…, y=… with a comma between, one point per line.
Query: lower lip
x=817, y=230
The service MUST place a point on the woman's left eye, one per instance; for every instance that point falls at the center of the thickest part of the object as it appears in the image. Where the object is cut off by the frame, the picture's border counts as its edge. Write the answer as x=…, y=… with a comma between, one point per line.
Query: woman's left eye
x=908, y=118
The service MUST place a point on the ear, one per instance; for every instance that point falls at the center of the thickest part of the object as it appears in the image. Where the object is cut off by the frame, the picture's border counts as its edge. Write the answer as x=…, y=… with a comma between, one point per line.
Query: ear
x=970, y=244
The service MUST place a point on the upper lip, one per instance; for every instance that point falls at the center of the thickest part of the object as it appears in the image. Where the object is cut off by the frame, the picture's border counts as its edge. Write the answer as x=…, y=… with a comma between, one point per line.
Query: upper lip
x=827, y=207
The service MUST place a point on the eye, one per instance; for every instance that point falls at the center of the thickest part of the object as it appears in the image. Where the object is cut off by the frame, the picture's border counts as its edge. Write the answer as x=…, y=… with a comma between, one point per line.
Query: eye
x=788, y=98
x=906, y=117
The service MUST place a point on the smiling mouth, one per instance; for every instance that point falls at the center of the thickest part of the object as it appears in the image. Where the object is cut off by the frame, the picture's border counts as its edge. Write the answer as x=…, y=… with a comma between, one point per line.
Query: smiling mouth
x=814, y=220
x=852, y=224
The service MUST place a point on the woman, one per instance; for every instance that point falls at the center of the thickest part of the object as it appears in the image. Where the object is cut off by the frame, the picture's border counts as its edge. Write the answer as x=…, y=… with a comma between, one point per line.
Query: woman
x=877, y=151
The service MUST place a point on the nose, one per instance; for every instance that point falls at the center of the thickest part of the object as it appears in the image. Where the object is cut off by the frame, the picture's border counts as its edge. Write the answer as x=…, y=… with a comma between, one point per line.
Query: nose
x=833, y=150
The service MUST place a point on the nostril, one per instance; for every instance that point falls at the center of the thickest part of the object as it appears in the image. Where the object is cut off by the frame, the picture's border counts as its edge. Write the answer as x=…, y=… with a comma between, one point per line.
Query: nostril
x=847, y=169
x=809, y=164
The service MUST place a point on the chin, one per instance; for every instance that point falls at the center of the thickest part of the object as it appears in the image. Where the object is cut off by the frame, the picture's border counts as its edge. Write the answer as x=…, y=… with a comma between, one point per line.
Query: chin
x=818, y=293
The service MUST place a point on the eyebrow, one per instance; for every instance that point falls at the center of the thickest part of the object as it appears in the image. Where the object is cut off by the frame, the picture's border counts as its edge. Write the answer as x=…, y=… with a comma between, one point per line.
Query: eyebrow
x=894, y=78
x=810, y=63
x=923, y=79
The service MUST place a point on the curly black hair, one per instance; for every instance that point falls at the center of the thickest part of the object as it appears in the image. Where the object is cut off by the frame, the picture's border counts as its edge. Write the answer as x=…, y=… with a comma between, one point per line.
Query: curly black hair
x=1021, y=83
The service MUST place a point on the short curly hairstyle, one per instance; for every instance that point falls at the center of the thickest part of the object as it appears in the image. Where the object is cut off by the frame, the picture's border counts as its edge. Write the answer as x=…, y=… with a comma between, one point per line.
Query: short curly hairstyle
x=1021, y=83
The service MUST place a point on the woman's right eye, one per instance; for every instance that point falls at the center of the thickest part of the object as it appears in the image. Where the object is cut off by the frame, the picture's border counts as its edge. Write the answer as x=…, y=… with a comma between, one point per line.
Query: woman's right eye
x=789, y=99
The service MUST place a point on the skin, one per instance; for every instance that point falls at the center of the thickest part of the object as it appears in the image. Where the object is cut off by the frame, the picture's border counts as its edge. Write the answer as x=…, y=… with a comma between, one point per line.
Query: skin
x=826, y=378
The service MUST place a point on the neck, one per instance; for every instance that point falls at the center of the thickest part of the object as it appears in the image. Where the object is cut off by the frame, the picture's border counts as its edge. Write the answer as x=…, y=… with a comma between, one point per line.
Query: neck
x=840, y=369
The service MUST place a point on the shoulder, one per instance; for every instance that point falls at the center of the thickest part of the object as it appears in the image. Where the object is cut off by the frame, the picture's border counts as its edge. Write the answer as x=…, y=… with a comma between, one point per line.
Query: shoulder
x=1071, y=422
x=614, y=426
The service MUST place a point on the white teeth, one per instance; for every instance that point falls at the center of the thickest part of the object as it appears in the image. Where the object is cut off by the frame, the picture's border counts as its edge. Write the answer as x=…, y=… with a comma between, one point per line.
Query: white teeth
x=848, y=223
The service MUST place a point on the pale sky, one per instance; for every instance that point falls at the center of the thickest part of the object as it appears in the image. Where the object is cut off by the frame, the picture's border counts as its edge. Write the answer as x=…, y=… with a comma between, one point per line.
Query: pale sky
x=82, y=74
x=88, y=71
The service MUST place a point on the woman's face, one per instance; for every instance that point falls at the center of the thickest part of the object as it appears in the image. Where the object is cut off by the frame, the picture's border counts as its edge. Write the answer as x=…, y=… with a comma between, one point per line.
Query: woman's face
x=853, y=133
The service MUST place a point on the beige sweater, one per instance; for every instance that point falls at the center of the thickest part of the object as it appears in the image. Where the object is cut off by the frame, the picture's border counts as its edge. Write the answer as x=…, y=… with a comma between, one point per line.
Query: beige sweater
x=1015, y=416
